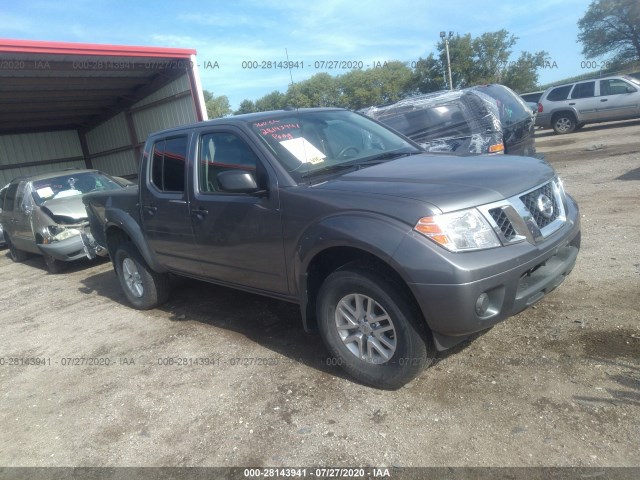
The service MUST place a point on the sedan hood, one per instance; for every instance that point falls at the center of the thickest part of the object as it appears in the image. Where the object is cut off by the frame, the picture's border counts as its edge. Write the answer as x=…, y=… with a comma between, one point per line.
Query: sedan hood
x=448, y=182
x=69, y=208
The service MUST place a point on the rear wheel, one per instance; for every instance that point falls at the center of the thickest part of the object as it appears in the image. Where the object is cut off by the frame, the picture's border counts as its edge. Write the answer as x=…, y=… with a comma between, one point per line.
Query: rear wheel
x=144, y=287
x=563, y=122
x=54, y=265
x=372, y=329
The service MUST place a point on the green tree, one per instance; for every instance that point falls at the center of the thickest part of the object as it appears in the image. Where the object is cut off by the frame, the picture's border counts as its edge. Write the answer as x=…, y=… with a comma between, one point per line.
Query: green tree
x=246, y=106
x=484, y=59
x=387, y=83
x=522, y=75
x=611, y=27
x=272, y=101
x=216, y=106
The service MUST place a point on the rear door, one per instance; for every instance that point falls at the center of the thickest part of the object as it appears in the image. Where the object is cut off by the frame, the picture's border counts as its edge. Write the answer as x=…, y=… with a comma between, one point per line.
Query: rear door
x=618, y=99
x=19, y=211
x=583, y=99
x=238, y=236
x=165, y=204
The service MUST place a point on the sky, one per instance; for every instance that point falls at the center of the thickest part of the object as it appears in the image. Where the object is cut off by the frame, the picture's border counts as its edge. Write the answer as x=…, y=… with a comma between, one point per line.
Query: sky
x=230, y=37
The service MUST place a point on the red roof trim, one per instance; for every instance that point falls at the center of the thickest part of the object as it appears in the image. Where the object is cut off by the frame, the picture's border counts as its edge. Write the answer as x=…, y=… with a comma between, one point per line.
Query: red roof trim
x=68, y=48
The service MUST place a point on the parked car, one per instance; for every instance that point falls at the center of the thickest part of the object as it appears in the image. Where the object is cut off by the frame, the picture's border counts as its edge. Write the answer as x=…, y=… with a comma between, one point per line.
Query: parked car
x=460, y=122
x=516, y=118
x=477, y=120
x=390, y=252
x=568, y=107
x=3, y=242
x=44, y=214
x=532, y=97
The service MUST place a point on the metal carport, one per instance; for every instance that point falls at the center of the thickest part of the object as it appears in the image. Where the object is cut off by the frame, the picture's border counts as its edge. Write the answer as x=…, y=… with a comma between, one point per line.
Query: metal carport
x=86, y=105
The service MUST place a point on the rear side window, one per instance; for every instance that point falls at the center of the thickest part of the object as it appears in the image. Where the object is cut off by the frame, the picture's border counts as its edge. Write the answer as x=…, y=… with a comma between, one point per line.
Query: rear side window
x=584, y=90
x=9, y=199
x=560, y=93
x=168, y=163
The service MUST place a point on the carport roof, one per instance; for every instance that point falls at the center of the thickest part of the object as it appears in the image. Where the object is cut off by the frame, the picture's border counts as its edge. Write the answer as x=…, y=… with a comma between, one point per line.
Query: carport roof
x=48, y=86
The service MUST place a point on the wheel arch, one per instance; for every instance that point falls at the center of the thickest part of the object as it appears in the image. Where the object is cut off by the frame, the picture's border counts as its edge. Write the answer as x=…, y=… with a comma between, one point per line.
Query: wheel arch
x=339, y=257
x=122, y=228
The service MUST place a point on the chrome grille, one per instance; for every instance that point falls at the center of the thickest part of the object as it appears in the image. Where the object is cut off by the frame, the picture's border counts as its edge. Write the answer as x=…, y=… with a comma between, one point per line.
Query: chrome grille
x=503, y=223
x=531, y=201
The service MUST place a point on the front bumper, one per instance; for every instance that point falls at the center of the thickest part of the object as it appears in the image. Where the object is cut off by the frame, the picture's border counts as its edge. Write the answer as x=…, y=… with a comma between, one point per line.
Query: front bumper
x=512, y=277
x=66, y=250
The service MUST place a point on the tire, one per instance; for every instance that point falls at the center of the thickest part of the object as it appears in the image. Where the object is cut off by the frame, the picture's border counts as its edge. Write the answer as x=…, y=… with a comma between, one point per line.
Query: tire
x=16, y=255
x=402, y=348
x=143, y=287
x=54, y=266
x=563, y=122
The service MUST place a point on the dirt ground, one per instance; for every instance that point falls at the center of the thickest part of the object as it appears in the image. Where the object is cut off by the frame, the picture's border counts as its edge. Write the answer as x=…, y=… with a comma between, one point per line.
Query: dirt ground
x=557, y=385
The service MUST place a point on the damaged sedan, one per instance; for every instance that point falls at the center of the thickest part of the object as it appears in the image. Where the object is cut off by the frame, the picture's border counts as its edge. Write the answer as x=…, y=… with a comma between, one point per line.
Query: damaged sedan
x=44, y=214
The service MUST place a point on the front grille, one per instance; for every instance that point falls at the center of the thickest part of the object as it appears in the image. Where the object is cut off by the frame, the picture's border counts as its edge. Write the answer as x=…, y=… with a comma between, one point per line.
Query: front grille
x=503, y=222
x=531, y=202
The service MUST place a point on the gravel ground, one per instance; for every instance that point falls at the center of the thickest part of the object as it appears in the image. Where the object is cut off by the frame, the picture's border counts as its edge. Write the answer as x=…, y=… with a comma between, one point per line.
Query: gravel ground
x=557, y=385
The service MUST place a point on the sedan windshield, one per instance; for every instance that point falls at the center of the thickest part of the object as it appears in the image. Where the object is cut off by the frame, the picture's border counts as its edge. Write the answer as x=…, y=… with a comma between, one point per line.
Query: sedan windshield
x=311, y=143
x=71, y=185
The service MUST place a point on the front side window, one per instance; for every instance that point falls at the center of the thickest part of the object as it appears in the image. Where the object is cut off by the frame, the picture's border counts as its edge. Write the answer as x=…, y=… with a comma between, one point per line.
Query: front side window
x=168, y=163
x=584, y=90
x=613, y=86
x=220, y=152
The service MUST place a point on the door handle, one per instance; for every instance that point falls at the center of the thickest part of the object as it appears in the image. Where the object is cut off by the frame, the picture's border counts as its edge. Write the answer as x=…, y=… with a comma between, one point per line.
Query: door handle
x=150, y=209
x=604, y=99
x=199, y=213
x=573, y=103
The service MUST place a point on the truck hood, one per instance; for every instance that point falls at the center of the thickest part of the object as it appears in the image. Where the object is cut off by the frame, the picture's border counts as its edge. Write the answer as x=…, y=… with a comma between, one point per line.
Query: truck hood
x=447, y=182
x=70, y=208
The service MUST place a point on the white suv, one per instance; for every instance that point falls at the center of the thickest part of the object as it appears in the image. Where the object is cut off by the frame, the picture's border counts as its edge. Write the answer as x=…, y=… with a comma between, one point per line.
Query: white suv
x=566, y=108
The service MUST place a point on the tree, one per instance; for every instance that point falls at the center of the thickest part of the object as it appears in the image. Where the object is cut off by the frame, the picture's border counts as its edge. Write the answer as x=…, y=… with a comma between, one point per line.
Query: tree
x=484, y=59
x=611, y=27
x=216, y=106
x=522, y=75
x=272, y=101
x=246, y=106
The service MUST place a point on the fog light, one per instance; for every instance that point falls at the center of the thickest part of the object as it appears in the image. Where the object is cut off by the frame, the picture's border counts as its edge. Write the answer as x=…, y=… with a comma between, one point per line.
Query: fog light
x=482, y=304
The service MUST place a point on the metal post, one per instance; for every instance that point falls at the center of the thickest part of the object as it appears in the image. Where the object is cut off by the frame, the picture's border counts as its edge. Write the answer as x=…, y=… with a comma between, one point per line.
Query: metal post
x=446, y=43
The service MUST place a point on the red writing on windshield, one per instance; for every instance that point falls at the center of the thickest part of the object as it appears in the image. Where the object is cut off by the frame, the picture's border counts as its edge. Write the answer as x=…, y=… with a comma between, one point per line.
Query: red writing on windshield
x=278, y=128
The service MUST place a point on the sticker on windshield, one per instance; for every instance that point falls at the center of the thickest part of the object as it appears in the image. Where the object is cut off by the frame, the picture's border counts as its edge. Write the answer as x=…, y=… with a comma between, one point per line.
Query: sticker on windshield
x=45, y=192
x=304, y=150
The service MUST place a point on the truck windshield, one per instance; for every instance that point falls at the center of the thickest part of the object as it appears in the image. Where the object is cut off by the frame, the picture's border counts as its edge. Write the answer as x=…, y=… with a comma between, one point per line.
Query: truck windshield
x=310, y=143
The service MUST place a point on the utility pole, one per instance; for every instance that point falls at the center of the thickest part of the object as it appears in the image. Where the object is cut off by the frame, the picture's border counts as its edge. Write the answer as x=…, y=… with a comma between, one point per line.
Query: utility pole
x=443, y=35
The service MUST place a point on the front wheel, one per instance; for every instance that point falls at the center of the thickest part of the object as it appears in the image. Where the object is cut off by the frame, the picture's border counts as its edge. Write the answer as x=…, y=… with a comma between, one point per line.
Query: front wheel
x=53, y=265
x=372, y=329
x=16, y=254
x=144, y=287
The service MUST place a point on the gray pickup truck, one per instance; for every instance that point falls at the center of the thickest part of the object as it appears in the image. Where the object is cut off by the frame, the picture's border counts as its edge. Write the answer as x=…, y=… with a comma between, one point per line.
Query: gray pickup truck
x=390, y=252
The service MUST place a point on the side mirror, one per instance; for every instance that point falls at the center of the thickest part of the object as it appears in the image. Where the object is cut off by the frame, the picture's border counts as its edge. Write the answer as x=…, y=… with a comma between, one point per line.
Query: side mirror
x=631, y=90
x=238, y=181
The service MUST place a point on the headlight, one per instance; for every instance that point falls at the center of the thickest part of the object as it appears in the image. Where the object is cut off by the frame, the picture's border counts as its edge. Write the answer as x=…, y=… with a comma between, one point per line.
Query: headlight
x=459, y=231
x=59, y=233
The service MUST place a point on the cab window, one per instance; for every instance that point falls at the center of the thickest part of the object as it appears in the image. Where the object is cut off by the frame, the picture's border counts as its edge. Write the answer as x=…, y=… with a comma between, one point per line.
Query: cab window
x=220, y=152
x=168, y=164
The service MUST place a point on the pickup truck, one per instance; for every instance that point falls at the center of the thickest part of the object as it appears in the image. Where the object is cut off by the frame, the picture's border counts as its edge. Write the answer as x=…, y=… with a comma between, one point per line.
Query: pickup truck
x=391, y=253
